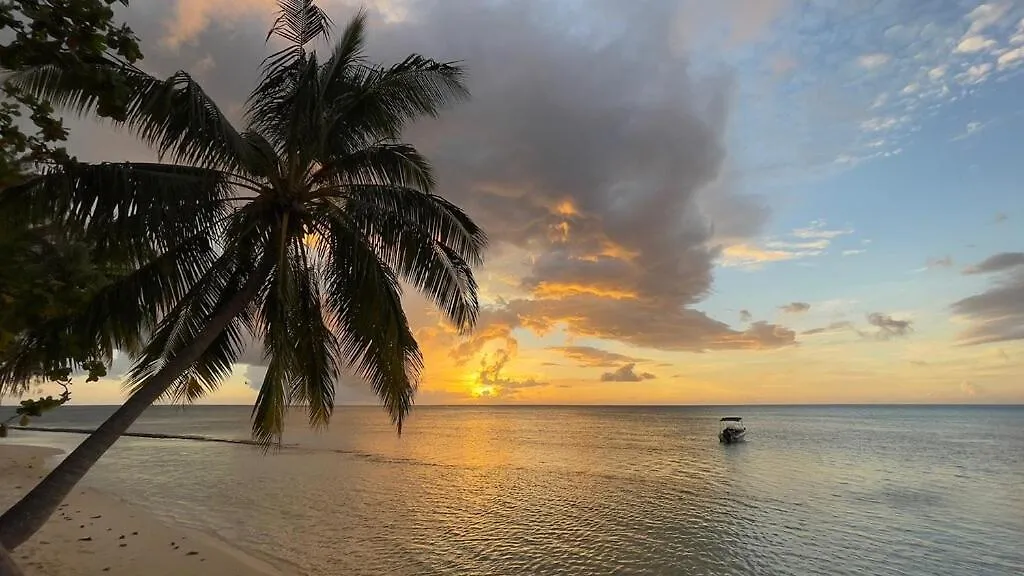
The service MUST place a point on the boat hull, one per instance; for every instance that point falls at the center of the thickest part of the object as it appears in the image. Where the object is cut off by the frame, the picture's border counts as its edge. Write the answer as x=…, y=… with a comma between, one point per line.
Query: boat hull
x=731, y=436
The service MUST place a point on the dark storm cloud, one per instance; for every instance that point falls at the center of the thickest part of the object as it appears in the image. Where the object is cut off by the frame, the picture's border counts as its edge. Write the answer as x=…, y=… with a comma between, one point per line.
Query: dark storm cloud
x=589, y=143
x=626, y=373
x=588, y=356
x=795, y=307
x=997, y=263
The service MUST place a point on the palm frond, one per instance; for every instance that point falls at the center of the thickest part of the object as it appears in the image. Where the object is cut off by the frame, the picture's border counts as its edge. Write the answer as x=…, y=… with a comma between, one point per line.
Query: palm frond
x=130, y=208
x=300, y=22
x=175, y=116
x=432, y=214
x=268, y=412
x=273, y=107
x=190, y=316
x=363, y=296
x=303, y=350
x=371, y=103
x=276, y=324
x=277, y=107
x=380, y=164
x=316, y=347
x=347, y=53
x=421, y=259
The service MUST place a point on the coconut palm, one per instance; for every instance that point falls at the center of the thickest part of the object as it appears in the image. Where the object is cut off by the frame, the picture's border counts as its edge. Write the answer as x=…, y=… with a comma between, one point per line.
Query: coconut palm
x=299, y=230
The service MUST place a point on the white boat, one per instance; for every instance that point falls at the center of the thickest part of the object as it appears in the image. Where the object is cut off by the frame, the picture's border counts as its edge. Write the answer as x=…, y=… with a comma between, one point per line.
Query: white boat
x=732, y=430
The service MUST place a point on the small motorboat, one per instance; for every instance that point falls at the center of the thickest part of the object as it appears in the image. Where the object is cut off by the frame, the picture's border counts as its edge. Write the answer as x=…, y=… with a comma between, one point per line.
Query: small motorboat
x=732, y=430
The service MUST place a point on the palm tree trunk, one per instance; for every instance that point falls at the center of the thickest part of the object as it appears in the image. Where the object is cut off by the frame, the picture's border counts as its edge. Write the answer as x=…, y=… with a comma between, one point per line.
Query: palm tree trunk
x=7, y=565
x=26, y=517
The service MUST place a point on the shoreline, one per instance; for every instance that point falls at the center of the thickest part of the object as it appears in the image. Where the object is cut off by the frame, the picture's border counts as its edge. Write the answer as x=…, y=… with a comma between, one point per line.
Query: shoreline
x=97, y=533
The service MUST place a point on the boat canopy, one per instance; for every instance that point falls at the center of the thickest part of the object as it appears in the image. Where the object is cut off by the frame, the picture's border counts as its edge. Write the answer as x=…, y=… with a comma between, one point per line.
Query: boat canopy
x=731, y=419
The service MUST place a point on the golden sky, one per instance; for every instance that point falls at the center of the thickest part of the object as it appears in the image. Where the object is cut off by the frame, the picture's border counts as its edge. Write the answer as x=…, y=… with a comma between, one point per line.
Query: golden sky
x=693, y=205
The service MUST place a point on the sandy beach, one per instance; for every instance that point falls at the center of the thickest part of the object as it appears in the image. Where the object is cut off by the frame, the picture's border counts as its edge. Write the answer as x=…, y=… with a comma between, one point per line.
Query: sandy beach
x=94, y=533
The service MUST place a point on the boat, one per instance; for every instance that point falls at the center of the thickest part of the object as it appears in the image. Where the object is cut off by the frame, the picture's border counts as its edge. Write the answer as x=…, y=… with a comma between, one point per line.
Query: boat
x=732, y=430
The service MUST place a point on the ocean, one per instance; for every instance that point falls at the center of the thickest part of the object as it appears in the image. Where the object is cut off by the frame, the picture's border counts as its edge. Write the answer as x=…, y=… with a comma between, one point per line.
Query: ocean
x=591, y=490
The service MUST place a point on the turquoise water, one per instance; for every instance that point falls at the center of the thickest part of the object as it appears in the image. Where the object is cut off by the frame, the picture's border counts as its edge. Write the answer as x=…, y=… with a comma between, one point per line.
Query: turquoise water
x=815, y=490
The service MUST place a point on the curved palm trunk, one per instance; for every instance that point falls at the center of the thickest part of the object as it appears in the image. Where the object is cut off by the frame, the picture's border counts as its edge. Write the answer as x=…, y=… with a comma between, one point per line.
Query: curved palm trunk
x=7, y=565
x=25, y=518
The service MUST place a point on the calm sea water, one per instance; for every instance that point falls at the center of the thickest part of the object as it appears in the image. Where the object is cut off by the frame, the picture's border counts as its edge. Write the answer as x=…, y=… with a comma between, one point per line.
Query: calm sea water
x=545, y=491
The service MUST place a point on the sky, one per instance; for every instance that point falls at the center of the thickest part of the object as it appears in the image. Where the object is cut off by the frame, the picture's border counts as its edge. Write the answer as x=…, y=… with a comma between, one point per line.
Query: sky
x=693, y=202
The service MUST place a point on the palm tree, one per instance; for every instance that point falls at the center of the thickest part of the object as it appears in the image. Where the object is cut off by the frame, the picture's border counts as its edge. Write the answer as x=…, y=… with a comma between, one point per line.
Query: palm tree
x=298, y=230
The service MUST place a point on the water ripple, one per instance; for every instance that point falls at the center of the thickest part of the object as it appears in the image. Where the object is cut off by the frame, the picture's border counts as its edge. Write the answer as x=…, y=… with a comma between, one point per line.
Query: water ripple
x=836, y=491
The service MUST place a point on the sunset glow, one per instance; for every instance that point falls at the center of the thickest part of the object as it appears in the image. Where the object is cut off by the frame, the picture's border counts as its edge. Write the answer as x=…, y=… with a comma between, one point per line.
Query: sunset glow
x=730, y=206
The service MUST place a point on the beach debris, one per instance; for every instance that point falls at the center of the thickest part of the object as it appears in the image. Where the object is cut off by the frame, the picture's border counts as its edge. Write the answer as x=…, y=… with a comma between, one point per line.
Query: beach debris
x=85, y=539
x=121, y=537
x=96, y=516
x=191, y=553
x=123, y=545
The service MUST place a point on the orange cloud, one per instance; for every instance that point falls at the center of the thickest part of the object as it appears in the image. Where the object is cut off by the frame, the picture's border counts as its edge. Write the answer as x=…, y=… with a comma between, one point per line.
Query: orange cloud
x=747, y=254
x=558, y=290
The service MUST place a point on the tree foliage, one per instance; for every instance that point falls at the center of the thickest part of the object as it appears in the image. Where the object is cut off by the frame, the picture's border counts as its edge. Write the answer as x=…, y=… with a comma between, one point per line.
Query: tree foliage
x=47, y=274
x=316, y=198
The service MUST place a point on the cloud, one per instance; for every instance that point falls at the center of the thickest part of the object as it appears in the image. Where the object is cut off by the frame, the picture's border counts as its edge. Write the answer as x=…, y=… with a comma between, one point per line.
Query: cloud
x=490, y=381
x=191, y=17
x=937, y=73
x=971, y=389
x=746, y=316
x=997, y=314
x=626, y=373
x=615, y=191
x=812, y=240
x=944, y=262
x=795, y=307
x=880, y=327
x=975, y=74
x=969, y=130
x=831, y=328
x=853, y=251
x=1010, y=58
x=889, y=327
x=873, y=61
x=880, y=124
x=588, y=356
x=985, y=15
x=997, y=263
x=973, y=44
x=1000, y=217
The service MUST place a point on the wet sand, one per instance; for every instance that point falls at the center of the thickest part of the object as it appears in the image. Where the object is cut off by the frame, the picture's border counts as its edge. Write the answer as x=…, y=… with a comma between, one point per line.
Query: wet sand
x=95, y=533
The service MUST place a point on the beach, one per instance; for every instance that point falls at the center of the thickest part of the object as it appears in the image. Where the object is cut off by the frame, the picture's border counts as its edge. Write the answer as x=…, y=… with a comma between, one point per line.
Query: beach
x=95, y=533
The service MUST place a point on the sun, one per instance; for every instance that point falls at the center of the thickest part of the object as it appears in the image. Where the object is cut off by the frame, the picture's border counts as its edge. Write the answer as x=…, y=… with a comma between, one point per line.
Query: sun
x=481, y=391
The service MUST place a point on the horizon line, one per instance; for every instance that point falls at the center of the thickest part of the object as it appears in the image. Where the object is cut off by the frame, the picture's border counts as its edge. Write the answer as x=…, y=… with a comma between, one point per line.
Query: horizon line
x=520, y=405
